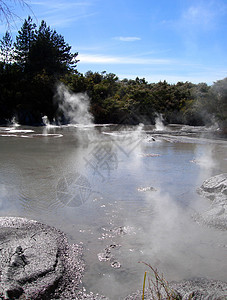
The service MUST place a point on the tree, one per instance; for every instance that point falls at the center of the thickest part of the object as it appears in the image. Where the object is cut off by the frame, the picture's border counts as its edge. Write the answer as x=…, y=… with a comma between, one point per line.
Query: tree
x=43, y=50
x=24, y=40
x=41, y=58
x=51, y=53
x=6, y=49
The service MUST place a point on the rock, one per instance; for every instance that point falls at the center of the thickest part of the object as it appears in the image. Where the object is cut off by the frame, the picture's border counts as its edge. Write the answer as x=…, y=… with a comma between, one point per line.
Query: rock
x=215, y=189
x=36, y=261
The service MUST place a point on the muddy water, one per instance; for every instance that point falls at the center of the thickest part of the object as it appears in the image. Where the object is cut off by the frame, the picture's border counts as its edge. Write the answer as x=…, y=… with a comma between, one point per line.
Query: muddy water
x=127, y=194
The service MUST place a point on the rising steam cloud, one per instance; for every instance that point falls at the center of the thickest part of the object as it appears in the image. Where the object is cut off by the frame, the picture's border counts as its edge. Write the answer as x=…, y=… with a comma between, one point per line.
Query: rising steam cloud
x=75, y=107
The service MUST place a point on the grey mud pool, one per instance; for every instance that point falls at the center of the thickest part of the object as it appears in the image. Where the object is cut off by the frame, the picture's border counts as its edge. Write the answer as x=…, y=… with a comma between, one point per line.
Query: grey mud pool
x=125, y=194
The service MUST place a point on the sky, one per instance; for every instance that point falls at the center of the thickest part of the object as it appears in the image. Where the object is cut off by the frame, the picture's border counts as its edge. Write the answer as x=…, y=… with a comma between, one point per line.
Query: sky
x=172, y=40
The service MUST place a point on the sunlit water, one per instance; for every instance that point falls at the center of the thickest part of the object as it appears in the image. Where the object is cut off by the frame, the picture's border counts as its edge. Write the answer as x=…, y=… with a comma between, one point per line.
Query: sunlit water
x=127, y=194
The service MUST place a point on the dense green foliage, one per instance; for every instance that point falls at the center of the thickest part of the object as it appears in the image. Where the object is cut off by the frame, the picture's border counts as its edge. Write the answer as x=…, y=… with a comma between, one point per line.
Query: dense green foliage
x=31, y=68
x=135, y=101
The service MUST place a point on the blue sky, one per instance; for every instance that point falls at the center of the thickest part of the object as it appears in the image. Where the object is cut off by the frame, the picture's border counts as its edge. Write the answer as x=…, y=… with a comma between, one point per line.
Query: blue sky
x=173, y=40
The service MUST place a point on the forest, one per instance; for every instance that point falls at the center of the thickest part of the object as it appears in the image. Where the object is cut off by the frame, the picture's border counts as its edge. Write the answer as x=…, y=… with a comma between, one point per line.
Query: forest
x=32, y=66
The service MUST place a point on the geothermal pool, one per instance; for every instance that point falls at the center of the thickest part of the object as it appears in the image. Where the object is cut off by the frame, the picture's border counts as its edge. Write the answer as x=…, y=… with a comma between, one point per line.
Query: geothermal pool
x=127, y=194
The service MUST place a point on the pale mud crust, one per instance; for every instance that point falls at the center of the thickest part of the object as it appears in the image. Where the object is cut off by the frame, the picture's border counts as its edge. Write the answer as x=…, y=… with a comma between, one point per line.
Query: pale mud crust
x=37, y=262
x=215, y=189
x=196, y=289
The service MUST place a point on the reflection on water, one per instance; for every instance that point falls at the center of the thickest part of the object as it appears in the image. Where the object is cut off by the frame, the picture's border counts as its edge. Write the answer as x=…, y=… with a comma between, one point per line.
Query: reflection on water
x=127, y=194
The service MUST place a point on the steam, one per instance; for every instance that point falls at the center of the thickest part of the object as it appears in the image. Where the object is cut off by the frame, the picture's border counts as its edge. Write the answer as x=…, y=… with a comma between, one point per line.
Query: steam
x=45, y=120
x=75, y=107
x=14, y=122
x=159, y=125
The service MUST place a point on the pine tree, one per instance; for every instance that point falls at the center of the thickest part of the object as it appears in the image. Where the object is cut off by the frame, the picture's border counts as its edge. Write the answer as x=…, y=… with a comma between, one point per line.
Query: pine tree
x=51, y=53
x=42, y=50
x=6, y=49
x=24, y=40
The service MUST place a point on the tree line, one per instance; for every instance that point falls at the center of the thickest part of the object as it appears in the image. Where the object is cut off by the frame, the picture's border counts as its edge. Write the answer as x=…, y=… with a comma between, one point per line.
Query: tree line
x=39, y=59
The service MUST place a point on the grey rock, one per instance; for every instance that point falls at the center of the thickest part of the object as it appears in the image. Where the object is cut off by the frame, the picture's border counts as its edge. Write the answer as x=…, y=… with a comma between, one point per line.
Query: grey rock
x=37, y=262
x=215, y=189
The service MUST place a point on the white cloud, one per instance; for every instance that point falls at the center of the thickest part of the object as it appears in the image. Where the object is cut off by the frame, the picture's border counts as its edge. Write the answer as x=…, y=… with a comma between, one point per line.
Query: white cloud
x=96, y=59
x=127, y=38
x=178, y=77
x=104, y=59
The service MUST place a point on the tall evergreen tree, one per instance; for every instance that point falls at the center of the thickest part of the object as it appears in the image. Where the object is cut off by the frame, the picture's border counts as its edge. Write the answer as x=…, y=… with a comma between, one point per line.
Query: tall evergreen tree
x=24, y=40
x=51, y=53
x=6, y=49
x=43, y=50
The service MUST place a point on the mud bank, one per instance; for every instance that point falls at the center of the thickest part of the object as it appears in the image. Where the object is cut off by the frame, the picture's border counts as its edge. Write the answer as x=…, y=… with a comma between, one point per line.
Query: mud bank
x=37, y=262
x=215, y=189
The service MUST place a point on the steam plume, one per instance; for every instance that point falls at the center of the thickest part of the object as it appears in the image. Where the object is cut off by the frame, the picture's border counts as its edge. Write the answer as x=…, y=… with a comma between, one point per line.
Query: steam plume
x=75, y=107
